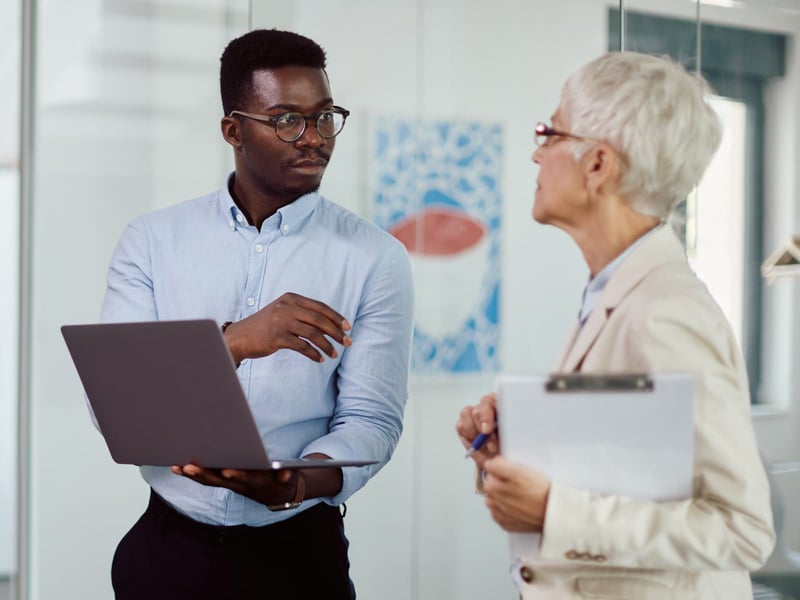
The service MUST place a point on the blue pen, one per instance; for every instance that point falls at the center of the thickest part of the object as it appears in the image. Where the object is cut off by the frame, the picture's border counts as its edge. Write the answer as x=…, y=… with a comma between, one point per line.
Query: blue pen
x=478, y=442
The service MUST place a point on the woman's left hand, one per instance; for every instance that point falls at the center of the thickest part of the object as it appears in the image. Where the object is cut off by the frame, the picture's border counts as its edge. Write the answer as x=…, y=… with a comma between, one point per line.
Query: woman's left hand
x=516, y=495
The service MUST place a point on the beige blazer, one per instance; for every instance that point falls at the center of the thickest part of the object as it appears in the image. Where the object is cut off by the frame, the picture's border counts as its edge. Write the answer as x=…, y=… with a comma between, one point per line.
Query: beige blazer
x=656, y=316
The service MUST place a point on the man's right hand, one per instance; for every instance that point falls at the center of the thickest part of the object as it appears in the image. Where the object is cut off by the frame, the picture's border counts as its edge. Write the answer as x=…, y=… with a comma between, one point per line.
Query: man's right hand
x=293, y=322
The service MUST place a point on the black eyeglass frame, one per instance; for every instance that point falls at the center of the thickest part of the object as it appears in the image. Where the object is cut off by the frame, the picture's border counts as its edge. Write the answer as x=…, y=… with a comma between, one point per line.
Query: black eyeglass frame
x=273, y=120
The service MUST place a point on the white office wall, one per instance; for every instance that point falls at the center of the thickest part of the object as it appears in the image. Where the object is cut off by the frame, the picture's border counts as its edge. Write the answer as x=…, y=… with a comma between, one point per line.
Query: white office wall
x=10, y=18
x=778, y=424
x=779, y=432
x=417, y=531
x=9, y=273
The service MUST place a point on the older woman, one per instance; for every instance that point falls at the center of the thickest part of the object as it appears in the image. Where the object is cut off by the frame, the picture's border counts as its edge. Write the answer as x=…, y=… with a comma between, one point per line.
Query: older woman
x=630, y=138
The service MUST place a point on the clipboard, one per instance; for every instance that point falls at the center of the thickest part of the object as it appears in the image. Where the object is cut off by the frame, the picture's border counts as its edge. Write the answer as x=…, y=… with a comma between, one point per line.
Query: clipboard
x=616, y=434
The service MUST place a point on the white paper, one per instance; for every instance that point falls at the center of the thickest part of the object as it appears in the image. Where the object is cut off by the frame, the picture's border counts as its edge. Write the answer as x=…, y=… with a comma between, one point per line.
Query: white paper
x=629, y=443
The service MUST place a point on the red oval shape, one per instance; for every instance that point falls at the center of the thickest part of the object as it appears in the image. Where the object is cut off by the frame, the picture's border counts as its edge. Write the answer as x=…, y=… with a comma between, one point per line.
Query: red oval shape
x=438, y=231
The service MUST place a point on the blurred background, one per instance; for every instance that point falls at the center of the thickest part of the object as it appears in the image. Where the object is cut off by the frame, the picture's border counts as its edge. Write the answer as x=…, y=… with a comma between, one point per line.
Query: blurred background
x=111, y=108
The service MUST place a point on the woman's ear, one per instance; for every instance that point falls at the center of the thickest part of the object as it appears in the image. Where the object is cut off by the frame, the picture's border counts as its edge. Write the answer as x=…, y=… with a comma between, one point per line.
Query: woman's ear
x=601, y=167
x=231, y=131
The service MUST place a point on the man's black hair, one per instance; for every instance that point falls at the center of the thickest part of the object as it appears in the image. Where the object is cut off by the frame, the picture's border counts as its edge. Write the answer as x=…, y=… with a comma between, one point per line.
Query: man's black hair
x=262, y=49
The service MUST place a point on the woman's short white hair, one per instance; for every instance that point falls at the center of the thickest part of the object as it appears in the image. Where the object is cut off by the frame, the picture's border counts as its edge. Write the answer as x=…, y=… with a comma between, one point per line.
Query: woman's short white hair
x=655, y=114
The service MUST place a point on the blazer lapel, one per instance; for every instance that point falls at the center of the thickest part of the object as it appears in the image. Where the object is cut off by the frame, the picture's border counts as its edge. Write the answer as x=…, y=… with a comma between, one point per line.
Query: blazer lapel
x=565, y=350
x=661, y=247
x=583, y=339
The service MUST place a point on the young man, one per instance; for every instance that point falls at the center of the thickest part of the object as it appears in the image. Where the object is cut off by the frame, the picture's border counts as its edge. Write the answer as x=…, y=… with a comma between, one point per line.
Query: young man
x=316, y=307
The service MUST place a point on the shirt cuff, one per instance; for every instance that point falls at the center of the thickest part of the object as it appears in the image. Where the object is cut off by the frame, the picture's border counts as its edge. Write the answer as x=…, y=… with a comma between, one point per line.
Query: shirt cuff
x=353, y=478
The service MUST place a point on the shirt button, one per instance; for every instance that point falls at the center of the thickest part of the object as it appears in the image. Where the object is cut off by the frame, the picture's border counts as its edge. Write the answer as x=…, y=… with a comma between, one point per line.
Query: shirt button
x=526, y=573
x=285, y=228
x=259, y=248
x=240, y=218
x=250, y=302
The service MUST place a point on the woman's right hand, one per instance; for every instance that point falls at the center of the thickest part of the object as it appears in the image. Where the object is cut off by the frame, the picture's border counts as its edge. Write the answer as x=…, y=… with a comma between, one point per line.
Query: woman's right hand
x=480, y=418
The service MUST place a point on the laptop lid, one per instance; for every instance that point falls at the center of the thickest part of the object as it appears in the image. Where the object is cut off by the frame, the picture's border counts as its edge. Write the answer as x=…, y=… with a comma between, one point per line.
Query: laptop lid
x=166, y=393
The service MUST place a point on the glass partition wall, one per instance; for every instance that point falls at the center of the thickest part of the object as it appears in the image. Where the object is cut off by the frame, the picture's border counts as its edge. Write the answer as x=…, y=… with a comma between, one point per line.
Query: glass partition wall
x=443, y=96
x=125, y=108
x=487, y=76
x=10, y=61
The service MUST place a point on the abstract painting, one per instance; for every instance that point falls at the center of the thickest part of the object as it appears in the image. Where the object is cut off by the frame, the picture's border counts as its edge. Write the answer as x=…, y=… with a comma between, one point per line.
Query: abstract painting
x=435, y=187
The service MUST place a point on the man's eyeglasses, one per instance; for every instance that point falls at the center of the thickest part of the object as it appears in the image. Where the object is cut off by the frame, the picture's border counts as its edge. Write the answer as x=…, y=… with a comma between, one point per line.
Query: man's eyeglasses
x=290, y=126
x=543, y=132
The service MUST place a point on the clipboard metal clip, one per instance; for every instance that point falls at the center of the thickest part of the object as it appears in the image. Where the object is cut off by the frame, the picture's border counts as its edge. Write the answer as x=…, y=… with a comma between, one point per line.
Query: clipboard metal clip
x=582, y=382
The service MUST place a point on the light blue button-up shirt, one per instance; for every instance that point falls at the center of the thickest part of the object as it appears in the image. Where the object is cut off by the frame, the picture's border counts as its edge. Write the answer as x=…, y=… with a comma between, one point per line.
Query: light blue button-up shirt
x=201, y=259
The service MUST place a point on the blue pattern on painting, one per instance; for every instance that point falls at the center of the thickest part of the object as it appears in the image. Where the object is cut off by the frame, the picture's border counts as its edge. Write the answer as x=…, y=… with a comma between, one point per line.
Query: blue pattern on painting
x=456, y=165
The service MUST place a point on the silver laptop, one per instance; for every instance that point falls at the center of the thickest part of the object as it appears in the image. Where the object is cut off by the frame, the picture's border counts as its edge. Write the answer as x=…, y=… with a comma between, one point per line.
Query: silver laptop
x=167, y=393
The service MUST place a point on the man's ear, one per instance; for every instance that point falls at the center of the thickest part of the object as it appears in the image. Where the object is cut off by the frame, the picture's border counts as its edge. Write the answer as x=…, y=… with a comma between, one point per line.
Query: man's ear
x=601, y=167
x=231, y=132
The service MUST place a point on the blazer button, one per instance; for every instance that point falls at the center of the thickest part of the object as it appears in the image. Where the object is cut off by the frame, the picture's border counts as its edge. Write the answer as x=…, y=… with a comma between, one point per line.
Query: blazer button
x=572, y=555
x=526, y=573
x=599, y=558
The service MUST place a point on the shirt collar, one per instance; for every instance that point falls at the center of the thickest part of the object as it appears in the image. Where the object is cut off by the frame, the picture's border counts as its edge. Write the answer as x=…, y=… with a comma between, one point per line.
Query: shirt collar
x=287, y=219
x=594, y=289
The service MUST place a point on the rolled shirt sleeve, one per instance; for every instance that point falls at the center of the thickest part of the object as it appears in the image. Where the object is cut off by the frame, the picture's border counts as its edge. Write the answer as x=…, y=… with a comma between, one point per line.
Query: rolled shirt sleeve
x=372, y=376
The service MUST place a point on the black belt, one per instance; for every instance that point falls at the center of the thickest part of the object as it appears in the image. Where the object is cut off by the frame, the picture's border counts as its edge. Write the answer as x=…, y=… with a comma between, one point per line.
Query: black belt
x=170, y=519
